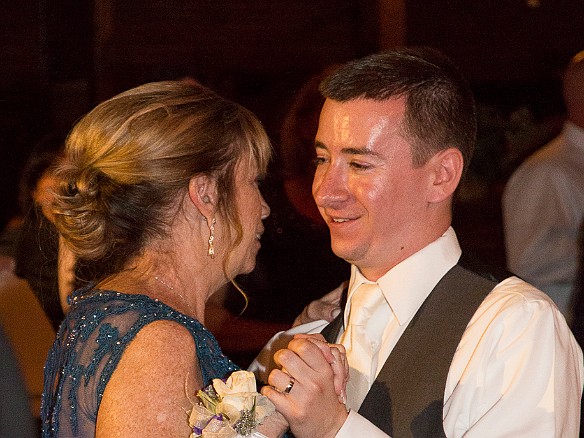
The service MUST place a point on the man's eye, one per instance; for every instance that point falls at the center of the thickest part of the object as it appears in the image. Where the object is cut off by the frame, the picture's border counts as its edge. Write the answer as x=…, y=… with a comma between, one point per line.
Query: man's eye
x=318, y=161
x=359, y=166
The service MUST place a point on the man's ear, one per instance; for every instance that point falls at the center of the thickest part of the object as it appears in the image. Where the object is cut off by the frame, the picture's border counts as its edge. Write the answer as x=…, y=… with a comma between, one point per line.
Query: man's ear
x=203, y=194
x=446, y=171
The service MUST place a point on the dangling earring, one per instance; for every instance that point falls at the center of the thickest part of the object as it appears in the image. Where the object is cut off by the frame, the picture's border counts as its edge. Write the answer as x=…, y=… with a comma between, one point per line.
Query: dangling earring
x=211, y=250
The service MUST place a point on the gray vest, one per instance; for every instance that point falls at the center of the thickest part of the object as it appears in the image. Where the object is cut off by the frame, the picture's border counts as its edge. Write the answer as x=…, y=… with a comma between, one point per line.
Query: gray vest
x=407, y=397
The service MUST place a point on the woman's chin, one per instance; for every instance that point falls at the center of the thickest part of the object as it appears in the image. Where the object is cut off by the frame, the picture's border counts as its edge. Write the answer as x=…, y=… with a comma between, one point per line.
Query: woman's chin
x=248, y=268
x=245, y=267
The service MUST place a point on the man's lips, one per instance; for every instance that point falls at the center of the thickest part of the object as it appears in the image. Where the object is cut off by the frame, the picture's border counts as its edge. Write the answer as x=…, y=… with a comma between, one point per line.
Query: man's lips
x=339, y=220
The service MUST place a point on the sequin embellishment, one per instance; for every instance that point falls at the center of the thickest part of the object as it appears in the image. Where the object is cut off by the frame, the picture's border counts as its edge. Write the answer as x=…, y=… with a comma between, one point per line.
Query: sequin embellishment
x=89, y=345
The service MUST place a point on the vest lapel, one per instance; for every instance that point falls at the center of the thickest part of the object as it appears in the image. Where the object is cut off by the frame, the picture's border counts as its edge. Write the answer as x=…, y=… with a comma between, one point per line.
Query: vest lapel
x=332, y=330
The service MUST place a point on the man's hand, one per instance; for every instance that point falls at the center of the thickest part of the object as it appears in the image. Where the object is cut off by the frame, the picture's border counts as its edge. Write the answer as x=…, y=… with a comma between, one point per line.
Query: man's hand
x=327, y=307
x=336, y=356
x=312, y=406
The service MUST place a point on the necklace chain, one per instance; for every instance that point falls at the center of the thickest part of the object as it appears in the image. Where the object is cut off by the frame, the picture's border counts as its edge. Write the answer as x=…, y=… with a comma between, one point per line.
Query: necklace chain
x=169, y=287
x=163, y=283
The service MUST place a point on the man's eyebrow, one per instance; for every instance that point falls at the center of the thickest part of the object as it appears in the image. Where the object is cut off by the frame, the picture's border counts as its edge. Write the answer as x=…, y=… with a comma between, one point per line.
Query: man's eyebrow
x=350, y=151
x=360, y=151
x=319, y=145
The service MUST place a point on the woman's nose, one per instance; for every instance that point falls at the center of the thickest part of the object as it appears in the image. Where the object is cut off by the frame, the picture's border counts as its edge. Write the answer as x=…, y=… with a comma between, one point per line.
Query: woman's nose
x=265, y=208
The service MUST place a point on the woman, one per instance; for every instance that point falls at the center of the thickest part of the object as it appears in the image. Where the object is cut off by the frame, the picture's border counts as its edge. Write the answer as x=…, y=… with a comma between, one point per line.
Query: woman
x=159, y=200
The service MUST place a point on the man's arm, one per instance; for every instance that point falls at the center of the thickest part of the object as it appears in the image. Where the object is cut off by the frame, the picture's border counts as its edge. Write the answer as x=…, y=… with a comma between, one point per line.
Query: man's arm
x=518, y=370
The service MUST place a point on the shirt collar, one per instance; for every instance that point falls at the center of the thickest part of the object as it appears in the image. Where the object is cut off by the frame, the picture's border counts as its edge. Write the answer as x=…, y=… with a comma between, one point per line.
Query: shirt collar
x=408, y=284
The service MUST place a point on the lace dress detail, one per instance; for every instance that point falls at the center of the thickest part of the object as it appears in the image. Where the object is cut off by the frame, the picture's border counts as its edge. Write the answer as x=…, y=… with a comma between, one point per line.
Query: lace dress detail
x=89, y=346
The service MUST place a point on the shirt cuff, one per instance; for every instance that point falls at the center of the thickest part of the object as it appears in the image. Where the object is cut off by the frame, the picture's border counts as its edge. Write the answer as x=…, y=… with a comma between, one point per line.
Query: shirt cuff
x=356, y=425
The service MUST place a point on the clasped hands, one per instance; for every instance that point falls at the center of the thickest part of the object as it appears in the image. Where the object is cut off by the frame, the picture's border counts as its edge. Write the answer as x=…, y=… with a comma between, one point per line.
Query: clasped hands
x=310, y=388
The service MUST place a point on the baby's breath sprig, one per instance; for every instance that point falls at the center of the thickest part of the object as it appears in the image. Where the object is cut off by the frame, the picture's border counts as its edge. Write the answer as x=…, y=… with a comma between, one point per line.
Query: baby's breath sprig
x=247, y=422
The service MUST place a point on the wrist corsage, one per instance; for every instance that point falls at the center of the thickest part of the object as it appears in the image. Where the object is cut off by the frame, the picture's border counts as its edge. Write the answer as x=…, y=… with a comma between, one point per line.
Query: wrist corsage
x=230, y=408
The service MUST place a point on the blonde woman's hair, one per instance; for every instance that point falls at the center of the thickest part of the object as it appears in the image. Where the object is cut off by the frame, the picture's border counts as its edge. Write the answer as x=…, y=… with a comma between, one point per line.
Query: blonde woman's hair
x=128, y=160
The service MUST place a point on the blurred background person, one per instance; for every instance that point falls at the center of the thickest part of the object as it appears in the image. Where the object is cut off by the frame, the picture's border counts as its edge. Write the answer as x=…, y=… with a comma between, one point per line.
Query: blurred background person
x=578, y=320
x=30, y=311
x=543, y=203
x=36, y=251
x=296, y=148
x=16, y=419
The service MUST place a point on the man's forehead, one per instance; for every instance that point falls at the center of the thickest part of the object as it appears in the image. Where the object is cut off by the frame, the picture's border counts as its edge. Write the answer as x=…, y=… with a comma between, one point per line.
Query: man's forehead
x=359, y=123
x=391, y=104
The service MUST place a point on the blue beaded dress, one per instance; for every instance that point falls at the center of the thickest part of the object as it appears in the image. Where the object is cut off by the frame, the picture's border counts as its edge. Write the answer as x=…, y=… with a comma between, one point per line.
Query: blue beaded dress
x=90, y=344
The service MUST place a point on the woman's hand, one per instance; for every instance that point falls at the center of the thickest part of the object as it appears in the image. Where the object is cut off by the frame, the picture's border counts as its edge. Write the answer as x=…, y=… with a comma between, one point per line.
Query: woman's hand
x=273, y=426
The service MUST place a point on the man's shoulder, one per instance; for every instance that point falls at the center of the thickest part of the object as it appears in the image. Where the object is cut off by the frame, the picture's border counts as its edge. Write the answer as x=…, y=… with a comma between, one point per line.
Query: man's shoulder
x=518, y=303
x=475, y=266
x=515, y=289
x=508, y=290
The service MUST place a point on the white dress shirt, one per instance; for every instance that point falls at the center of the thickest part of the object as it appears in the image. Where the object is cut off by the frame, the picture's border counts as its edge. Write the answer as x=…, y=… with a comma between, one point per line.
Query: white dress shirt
x=517, y=371
x=543, y=206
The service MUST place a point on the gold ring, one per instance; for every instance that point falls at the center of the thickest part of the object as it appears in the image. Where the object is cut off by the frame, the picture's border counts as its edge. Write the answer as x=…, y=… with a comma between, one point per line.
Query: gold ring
x=290, y=385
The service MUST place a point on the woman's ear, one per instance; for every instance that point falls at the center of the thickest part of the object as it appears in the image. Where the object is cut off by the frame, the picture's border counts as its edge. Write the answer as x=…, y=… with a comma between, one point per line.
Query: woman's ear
x=203, y=194
x=446, y=171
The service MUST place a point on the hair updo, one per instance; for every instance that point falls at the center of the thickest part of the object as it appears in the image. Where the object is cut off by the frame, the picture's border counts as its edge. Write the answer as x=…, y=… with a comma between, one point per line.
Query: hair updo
x=128, y=160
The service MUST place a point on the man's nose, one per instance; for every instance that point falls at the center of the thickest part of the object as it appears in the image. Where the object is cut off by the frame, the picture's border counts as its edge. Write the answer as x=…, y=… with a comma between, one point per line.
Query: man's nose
x=329, y=188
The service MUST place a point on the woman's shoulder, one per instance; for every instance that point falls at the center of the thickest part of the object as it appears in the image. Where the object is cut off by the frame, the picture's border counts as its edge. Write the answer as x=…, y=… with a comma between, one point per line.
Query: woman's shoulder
x=112, y=320
x=102, y=323
x=162, y=346
x=165, y=340
x=91, y=307
x=156, y=376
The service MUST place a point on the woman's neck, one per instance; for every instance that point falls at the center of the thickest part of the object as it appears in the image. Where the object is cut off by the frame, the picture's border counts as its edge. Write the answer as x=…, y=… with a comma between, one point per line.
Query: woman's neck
x=182, y=285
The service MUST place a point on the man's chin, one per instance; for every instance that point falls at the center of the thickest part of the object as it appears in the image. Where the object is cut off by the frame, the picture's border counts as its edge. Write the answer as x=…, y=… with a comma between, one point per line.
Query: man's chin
x=346, y=251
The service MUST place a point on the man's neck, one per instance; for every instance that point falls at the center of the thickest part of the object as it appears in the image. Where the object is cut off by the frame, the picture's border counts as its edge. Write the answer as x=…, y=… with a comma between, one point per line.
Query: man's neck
x=374, y=273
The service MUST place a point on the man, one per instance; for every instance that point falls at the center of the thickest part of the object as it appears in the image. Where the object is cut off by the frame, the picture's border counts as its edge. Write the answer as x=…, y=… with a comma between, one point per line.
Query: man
x=396, y=133
x=543, y=203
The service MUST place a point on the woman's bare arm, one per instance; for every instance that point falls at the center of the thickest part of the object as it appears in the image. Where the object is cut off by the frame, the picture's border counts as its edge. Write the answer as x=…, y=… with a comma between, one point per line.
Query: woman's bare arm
x=151, y=390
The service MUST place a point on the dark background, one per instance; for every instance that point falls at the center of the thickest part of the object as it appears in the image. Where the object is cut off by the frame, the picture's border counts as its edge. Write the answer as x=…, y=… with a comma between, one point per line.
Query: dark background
x=59, y=58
